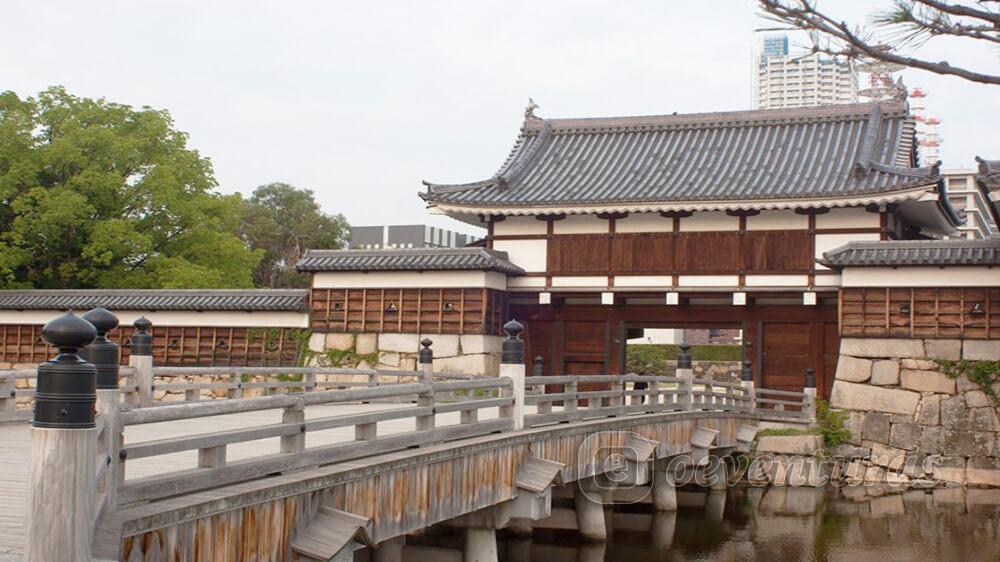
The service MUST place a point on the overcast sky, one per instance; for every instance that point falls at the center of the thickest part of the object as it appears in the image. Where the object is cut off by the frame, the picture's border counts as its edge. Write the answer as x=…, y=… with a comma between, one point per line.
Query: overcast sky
x=360, y=101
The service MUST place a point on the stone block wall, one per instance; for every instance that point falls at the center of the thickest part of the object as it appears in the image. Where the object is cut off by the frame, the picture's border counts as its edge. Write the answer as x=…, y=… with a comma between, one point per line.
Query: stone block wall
x=902, y=403
x=468, y=354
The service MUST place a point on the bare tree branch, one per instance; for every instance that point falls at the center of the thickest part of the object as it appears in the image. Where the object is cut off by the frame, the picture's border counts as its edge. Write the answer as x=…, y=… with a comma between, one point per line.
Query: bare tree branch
x=860, y=43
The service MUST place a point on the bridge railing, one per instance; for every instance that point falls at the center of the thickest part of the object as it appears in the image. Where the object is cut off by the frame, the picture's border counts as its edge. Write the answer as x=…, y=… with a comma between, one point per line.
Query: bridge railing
x=214, y=467
x=17, y=392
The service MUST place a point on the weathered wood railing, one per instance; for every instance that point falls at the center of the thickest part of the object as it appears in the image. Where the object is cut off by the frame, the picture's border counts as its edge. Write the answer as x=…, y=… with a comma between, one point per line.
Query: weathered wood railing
x=214, y=468
x=559, y=398
x=169, y=385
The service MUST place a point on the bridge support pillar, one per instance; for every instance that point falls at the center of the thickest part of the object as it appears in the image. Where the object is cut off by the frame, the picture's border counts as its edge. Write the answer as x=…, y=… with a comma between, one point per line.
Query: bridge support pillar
x=661, y=530
x=590, y=519
x=664, y=491
x=390, y=550
x=480, y=545
x=718, y=475
x=715, y=505
x=61, y=487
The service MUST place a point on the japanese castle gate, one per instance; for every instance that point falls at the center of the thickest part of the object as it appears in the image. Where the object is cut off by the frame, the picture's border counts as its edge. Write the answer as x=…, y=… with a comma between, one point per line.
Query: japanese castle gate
x=786, y=224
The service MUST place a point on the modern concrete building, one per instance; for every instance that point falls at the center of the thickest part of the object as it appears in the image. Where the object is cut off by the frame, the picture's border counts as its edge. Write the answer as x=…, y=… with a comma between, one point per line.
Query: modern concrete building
x=407, y=236
x=800, y=80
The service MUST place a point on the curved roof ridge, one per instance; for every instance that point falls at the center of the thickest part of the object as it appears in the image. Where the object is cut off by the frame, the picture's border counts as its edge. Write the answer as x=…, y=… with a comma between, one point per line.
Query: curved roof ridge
x=870, y=253
x=644, y=122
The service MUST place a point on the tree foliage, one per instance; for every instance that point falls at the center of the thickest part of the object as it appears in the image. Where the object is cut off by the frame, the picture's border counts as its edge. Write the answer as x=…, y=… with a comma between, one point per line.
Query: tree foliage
x=98, y=194
x=283, y=222
x=900, y=26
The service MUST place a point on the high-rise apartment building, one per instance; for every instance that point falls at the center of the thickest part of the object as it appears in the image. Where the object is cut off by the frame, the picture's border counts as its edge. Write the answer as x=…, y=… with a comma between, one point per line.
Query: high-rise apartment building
x=800, y=80
x=407, y=236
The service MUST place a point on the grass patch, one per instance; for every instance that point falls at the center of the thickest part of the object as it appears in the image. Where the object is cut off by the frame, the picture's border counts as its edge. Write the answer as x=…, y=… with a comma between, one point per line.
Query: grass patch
x=829, y=423
x=652, y=359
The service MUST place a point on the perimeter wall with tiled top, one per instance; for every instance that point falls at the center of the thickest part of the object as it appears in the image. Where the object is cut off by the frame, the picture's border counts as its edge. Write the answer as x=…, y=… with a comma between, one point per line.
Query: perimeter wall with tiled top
x=180, y=338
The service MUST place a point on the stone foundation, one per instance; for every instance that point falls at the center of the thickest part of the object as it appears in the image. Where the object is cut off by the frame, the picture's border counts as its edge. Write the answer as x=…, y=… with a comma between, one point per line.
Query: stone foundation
x=902, y=405
x=458, y=354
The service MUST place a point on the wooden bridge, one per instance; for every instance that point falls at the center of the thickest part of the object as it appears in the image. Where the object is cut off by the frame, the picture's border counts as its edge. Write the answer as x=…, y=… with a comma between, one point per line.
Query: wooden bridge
x=327, y=464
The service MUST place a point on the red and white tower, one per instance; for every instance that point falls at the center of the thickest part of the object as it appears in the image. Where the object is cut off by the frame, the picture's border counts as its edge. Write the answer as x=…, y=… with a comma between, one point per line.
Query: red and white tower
x=927, y=128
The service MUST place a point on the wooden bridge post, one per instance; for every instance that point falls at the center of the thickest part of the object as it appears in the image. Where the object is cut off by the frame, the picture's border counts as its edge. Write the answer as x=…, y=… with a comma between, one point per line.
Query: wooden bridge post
x=749, y=403
x=61, y=485
x=538, y=370
x=141, y=359
x=512, y=367
x=809, y=405
x=8, y=398
x=686, y=374
x=426, y=399
x=104, y=355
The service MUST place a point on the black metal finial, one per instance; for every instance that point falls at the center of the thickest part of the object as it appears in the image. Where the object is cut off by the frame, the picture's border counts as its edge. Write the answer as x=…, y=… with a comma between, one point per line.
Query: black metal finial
x=142, y=339
x=426, y=353
x=810, y=378
x=513, y=346
x=747, y=374
x=684, y=356
x=103, y=353
x=66, y=389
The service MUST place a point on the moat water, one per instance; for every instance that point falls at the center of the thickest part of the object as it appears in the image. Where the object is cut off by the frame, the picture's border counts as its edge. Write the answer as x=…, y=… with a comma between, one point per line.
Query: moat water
x=778, y=524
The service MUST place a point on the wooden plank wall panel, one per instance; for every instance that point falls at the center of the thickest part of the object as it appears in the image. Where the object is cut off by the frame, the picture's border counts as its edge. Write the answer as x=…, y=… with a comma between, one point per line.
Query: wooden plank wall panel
x=708, y=252
x=663, y=253
x=173, y=346
x=777, y=251
x=646, y=253
x=428, y=311
x=579, y=254
x=929, y=312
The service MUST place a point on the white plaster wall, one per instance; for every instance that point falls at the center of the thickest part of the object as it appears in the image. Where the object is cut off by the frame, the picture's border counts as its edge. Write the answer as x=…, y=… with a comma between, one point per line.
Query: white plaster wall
x=174, y=318
x=848, y=217
x=782, y=219
x=708, y=280
x=644, y=222
x=777, y=280
x=580, y=281
x=525, y=282
x=580, y=224
x=519, y=225
x=707, y=221
x=408, y=279
x=828, y=279
x=529, y=255
x=921, y=277
x=827, y=242
x=643, y=281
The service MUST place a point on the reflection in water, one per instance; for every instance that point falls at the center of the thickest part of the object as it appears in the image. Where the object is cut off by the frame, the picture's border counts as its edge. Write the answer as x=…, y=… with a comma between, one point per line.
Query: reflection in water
x=776, y=524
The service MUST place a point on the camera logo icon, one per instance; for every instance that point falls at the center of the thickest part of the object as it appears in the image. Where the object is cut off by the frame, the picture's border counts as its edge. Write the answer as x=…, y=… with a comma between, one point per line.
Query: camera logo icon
x=616, y=466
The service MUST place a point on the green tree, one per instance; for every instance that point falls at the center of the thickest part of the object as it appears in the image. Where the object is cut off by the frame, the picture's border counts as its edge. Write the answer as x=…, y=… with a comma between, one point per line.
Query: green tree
x=283, y=222
x=98, y=194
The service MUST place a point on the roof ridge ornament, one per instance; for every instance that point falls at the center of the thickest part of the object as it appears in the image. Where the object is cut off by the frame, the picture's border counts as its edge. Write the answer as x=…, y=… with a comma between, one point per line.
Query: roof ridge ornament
x=529, y=111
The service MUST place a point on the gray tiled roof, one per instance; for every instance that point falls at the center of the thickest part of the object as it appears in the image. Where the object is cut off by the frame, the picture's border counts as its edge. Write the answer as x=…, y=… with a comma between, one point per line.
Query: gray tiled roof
x=157, y=299
x=914, y=252
x=832, y=151
x=417, y=259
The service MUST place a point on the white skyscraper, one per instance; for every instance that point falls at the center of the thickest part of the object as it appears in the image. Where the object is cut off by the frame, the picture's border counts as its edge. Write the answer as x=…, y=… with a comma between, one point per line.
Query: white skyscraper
x=784, y=80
